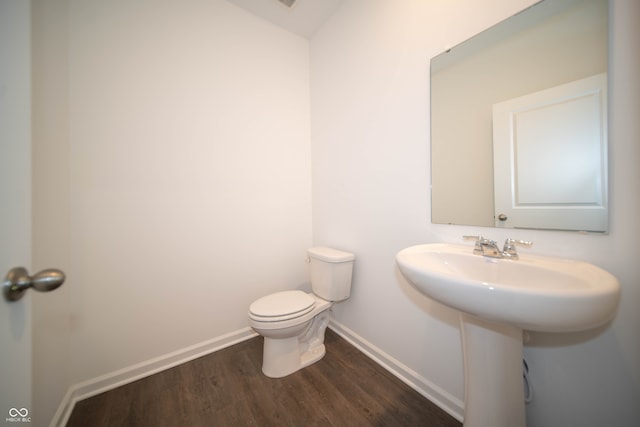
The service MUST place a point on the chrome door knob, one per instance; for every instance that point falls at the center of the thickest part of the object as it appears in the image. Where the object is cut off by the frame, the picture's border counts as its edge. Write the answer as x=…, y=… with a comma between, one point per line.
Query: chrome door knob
x=17, y=281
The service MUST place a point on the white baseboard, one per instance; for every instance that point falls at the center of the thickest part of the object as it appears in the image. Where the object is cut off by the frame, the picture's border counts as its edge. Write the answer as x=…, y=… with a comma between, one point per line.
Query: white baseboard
x=448, y=403
x=92, y=387
x=127, y=375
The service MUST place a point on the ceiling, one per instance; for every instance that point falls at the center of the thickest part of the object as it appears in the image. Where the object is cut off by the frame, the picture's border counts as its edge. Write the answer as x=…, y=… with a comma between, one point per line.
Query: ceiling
x=304, y=18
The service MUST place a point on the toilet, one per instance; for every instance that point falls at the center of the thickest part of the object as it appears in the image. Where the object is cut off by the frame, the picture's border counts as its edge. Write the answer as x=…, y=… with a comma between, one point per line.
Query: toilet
x=293, y=322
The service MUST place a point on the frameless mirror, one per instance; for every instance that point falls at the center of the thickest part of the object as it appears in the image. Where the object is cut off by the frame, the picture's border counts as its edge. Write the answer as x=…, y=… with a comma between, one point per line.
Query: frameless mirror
x=519, y=122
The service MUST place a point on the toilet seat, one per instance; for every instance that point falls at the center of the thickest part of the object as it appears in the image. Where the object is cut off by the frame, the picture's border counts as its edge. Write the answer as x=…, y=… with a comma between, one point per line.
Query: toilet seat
x=281, y=306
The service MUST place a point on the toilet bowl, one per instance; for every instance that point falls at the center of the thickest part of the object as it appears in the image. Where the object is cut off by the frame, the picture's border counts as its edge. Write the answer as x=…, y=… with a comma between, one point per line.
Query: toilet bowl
x=291, y=341
x=293, y=323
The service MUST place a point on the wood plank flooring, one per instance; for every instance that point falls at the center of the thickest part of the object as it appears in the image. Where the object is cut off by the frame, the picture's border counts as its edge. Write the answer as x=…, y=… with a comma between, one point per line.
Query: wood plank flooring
x=227, y=388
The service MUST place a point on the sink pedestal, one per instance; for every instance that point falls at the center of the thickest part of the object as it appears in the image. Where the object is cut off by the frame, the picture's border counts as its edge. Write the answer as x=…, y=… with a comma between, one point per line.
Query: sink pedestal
x=493, y=383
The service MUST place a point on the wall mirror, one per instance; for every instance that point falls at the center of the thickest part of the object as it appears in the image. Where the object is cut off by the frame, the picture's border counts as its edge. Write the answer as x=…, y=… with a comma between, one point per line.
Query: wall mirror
x=519, y=122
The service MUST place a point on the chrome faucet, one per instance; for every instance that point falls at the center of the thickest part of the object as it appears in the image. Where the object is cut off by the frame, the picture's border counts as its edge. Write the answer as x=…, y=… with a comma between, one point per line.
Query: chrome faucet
x=489, y=248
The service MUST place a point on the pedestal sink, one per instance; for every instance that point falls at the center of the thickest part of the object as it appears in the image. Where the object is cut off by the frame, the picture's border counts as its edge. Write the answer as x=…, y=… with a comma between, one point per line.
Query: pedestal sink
x=498, y=299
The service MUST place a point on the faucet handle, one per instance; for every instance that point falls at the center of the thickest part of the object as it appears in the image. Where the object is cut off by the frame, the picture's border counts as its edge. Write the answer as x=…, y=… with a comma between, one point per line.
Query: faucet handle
x=474, y=238
x=480, y=240
x=477, y=249
x=510, y=247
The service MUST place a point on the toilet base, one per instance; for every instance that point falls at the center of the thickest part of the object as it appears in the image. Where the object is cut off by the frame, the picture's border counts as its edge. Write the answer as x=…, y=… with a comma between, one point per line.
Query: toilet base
x=284, y=356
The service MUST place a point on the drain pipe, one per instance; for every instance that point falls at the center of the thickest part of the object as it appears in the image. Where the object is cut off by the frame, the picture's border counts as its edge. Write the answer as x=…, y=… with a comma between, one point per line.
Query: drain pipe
x=528, y=389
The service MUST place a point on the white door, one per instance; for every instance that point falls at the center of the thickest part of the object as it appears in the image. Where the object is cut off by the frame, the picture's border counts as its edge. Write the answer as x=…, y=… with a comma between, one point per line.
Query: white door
x=550, y=158
x=15, y=206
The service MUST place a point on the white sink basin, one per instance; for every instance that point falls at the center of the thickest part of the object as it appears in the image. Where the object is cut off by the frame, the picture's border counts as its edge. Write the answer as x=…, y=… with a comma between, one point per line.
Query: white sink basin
x=497, y=299
x=535, y=292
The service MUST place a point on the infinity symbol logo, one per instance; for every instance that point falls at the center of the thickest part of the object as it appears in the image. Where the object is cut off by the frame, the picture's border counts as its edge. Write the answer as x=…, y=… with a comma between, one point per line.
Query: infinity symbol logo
x=13, y=412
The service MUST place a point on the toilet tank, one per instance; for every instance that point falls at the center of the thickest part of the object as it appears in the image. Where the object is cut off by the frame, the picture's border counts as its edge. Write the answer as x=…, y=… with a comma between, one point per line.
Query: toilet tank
x=330, y=271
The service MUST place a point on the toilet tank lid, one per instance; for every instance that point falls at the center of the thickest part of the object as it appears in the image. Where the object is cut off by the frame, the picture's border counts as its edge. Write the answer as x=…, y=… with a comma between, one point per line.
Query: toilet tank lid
x=329, y=254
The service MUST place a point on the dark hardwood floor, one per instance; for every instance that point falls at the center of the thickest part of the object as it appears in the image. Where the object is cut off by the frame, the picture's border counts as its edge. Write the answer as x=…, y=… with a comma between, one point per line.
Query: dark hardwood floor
x=227, y=388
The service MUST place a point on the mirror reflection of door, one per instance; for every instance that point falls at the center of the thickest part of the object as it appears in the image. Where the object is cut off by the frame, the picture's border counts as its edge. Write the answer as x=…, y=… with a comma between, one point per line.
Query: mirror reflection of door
x=550, y=158
x=551, y=43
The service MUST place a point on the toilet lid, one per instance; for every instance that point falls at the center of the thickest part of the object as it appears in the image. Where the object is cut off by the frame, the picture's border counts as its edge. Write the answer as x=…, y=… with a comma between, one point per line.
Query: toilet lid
x=282, y=305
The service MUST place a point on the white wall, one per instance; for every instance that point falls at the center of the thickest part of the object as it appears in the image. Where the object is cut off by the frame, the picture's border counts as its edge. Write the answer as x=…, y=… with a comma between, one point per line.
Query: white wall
x=180, y=131
x=370, y=153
